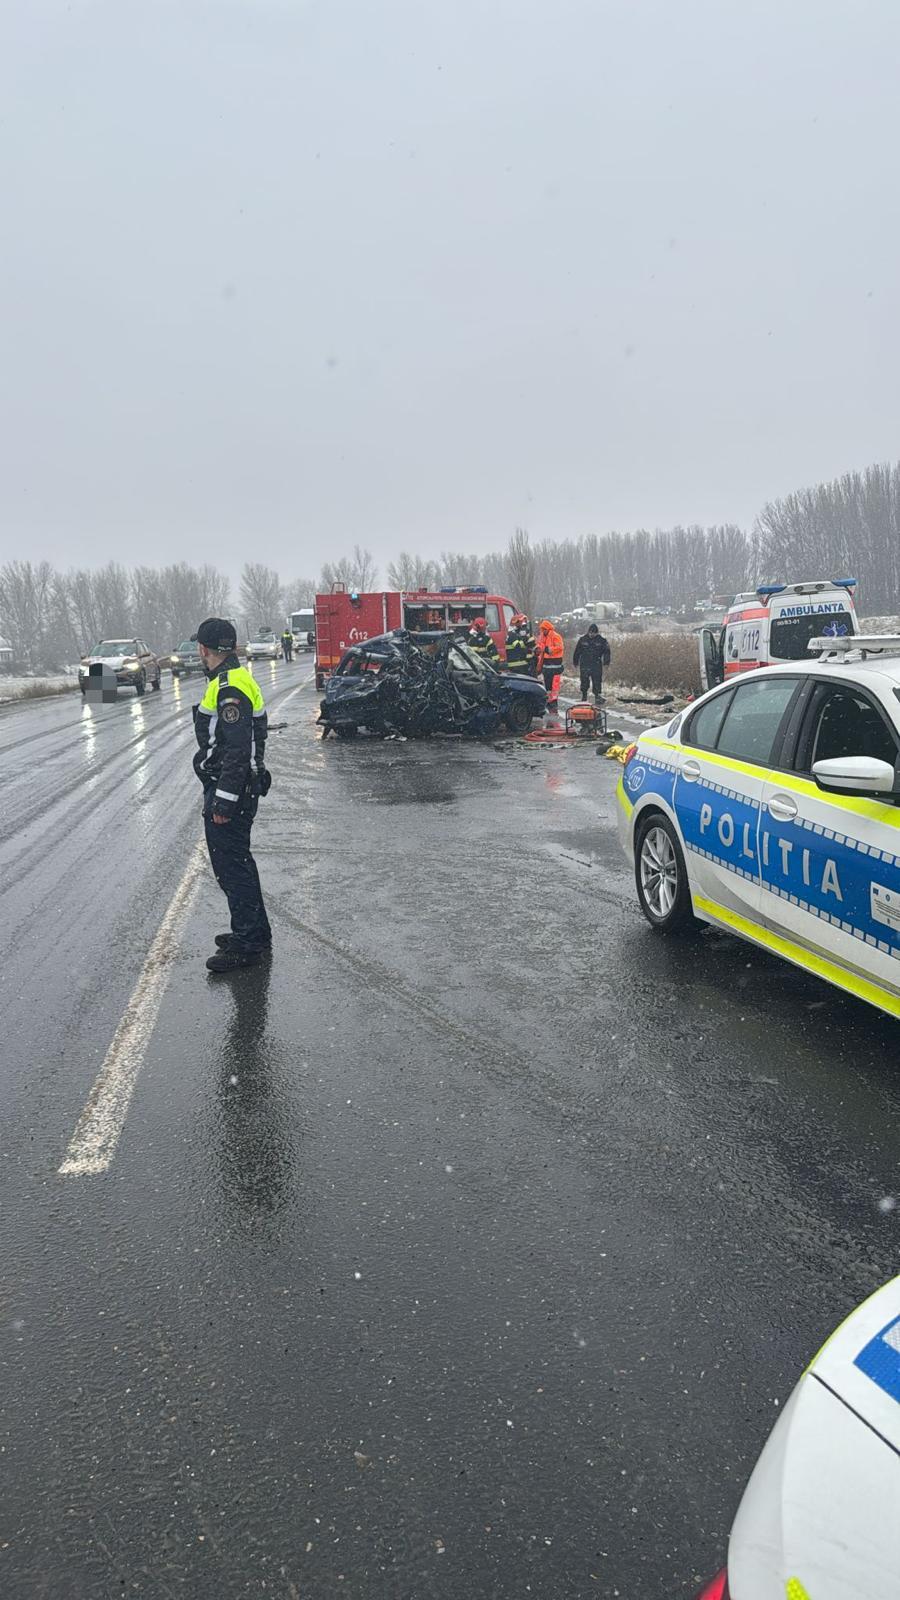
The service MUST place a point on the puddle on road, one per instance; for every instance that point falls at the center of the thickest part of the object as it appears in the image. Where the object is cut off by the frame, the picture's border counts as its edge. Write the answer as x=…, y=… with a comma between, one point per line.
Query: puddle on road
x=592, y=847
x=391, y=773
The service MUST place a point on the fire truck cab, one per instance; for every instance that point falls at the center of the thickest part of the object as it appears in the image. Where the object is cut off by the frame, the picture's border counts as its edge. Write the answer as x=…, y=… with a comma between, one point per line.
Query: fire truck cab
x=775, y=623
x=346, y=617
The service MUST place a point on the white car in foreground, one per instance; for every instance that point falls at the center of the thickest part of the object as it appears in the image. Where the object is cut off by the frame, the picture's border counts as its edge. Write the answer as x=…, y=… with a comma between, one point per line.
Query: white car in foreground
x=820, y=1517
x=263, y=646
x=771, y=808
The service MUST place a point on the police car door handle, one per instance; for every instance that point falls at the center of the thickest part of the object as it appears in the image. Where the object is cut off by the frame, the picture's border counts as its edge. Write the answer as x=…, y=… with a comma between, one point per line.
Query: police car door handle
x=782, y=807
x=690, y=770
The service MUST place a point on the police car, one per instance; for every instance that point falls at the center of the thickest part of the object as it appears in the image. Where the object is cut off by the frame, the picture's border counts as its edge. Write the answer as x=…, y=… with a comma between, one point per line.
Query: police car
x=771, y=808
x=820, y=1517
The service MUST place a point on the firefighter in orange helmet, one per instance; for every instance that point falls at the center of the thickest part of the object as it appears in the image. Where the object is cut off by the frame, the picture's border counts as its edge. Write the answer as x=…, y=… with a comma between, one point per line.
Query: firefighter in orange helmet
x=550, y=654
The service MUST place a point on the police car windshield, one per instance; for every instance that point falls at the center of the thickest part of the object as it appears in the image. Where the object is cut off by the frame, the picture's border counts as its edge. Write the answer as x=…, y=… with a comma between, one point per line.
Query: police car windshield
x=790, y=636
x=115, y=647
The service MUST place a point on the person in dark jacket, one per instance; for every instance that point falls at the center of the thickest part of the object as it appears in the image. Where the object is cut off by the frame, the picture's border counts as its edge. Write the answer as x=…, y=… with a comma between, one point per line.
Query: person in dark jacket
x=521, y=650
x=479, y=640
x=590, y=657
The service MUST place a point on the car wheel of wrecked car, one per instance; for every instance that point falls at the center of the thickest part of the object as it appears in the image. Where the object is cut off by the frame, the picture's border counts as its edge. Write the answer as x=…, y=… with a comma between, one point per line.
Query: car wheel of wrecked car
x=346, y=730
x=518, y=716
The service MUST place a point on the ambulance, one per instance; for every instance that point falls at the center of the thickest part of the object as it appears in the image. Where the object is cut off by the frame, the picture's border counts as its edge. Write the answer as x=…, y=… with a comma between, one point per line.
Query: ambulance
x=775, y=623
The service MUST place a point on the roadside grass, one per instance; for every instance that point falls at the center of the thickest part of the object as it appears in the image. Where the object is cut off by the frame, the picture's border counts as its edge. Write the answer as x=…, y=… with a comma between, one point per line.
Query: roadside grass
x=655, y=661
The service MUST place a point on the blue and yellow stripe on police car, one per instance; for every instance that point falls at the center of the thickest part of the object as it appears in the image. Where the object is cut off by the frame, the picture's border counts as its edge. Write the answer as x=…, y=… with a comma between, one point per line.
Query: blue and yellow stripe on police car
x=622, y=797
x=878, y=810
x=853, y=983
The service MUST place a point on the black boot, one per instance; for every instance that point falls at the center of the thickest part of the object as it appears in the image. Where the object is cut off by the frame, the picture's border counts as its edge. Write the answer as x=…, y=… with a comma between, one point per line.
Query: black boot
x=232, y=960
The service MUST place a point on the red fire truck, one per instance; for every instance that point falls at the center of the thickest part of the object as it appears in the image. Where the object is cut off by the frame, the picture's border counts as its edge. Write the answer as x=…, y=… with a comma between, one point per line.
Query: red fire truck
x=345, y=617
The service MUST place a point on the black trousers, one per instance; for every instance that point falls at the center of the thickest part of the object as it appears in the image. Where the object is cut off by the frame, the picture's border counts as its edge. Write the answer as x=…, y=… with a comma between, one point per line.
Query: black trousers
x=236, y=874
x=287, y=650
x=591, y=677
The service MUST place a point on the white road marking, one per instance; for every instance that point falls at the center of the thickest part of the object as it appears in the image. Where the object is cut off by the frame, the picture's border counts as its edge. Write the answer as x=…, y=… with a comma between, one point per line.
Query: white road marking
x=93, y=1144
x=97, y=1132
x=304, y=685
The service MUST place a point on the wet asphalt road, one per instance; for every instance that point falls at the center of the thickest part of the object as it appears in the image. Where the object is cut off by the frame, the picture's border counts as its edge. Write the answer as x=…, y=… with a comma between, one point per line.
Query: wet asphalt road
x=463, y=1249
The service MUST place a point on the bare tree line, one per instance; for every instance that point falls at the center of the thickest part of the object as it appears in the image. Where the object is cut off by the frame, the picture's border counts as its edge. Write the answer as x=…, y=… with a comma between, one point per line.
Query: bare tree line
x=52, y=618
x=667, y=567
x=849, y=527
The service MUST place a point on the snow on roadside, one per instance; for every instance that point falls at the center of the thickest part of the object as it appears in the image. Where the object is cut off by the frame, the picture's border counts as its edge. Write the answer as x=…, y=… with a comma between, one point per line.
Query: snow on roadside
x=16, y=688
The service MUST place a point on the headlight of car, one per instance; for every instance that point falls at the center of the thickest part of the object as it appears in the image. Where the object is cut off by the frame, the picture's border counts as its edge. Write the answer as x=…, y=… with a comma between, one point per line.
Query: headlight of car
x=174, y=658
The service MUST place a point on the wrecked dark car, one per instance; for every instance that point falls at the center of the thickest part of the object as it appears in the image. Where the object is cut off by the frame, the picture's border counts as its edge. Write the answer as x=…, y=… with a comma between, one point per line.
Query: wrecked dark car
x=417, y=684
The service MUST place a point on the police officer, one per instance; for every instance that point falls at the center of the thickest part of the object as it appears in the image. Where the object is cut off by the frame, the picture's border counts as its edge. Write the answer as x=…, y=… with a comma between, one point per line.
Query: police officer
x=521, y=650
x=287, y=644
x=230, y=724
x=482, y=642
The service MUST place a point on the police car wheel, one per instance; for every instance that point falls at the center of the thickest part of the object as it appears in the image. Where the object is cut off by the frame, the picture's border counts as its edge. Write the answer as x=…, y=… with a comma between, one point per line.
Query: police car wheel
x=661, y=878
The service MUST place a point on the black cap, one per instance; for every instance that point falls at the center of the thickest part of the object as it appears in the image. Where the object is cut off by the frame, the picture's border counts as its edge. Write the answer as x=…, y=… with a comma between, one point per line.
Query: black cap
x=216, y=634
x=593, y=628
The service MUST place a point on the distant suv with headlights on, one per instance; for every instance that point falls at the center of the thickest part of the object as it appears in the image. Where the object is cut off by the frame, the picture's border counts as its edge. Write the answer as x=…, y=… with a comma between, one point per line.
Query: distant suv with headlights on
x=129, y=659
x=185, y=658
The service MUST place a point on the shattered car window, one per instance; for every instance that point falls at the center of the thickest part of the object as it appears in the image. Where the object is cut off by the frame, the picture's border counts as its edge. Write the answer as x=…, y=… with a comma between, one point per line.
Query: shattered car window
x=462, y=659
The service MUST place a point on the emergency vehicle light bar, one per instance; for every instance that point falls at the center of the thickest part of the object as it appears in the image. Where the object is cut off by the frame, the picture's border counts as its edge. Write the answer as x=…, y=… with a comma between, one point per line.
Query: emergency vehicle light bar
x=766, y=590
x=865, y=643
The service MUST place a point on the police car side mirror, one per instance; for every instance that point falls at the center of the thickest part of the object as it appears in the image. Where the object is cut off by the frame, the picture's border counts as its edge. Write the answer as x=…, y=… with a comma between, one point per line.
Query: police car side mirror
x=855, y=775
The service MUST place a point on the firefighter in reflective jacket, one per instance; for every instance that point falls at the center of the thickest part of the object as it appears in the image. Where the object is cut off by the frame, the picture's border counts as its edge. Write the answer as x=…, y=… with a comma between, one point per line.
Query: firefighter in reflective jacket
x=521, y=650
x=230, y=724
x=550, y=654
x=482, y=642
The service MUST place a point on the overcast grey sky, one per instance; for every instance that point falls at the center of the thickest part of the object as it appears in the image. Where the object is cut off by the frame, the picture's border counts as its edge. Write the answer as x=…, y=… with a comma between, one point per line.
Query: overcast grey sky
x=280, y=275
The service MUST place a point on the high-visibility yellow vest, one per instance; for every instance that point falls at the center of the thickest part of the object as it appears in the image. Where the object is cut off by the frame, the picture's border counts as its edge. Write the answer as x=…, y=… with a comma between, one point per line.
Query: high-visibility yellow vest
x=237, y=678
